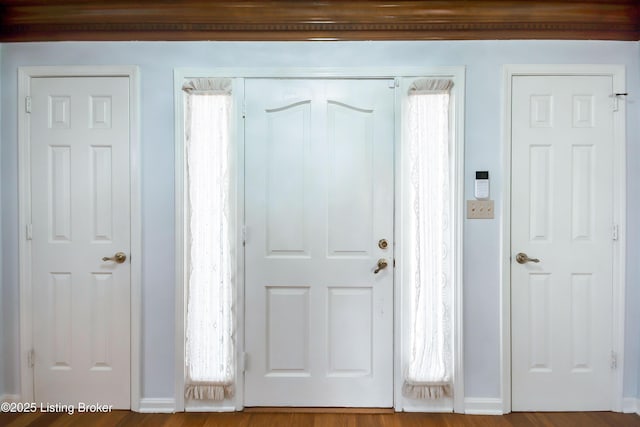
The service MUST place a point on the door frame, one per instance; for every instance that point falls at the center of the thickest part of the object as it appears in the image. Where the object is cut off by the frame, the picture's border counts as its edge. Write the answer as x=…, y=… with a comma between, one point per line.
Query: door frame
x=398, y=75
x=617, y=73
x=25, y=74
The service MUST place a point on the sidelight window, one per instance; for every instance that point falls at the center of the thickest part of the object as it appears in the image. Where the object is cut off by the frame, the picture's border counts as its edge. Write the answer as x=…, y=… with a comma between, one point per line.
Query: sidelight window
x=209, y=358
x=428, y=374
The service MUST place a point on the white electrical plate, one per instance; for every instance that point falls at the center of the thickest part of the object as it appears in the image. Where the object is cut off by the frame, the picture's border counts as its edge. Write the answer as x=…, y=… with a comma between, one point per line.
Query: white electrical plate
x=479, y=209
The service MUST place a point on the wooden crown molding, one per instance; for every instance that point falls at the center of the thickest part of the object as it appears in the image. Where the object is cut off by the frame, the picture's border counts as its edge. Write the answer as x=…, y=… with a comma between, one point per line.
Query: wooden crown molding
x=52, y=20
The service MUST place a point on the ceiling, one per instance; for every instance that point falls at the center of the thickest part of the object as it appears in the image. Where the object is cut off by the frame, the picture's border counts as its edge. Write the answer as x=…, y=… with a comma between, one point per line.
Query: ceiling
x=50, y=20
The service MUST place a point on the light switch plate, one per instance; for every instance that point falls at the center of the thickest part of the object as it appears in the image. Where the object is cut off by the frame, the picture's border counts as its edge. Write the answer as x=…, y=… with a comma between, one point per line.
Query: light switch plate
x=479, y=209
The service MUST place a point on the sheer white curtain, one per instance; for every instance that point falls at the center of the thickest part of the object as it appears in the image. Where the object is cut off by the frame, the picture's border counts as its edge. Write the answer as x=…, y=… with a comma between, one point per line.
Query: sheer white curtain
x=209, y=324
x=428, y=374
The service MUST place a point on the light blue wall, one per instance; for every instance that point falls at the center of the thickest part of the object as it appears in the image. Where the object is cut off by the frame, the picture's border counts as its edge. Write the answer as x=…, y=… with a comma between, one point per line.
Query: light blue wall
x=483, y=131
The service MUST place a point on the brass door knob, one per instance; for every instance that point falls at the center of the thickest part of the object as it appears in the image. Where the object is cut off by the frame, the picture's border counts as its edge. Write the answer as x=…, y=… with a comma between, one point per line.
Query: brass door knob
x=119, y=257
x=523, y=258
x=382, y=264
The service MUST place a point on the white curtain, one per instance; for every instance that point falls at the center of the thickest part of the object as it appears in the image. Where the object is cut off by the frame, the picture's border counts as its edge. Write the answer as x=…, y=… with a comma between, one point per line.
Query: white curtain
x=428, y=374
x=209, y=324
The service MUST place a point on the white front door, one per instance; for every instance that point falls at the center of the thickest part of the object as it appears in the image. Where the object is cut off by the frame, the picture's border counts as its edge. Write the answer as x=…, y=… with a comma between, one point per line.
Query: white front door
x=319, y=202
x=79, y=142
x=562, y=215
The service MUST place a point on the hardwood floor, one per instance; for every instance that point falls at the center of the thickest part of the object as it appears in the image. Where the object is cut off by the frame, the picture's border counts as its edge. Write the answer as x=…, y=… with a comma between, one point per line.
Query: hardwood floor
x=259, y=419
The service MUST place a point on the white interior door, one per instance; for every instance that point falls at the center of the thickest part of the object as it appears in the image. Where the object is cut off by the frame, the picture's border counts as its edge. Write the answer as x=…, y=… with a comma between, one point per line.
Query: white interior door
x=319, y=198
x=562, y=214
x=79, y=141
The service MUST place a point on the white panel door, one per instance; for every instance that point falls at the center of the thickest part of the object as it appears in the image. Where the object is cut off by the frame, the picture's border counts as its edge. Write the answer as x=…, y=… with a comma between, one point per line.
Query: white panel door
x=80, y=213
x=319, y=198
x=562, y=187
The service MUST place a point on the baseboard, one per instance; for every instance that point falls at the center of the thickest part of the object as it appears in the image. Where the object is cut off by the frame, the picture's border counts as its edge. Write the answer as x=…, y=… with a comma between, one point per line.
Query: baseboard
x=206, y=406
x=316, y=410
x=147, y=405
x=631, y=405
x=483, y=406
x=159, y=405
x=444, y=404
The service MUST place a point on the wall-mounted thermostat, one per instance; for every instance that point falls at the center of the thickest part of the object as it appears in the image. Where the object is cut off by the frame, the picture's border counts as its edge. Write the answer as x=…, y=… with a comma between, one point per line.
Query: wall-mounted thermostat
x=482, y=185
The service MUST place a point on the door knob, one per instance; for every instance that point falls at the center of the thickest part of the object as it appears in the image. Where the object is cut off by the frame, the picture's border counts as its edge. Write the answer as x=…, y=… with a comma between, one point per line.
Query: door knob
x=523, y=258
x=119, y=257
x=382, y=264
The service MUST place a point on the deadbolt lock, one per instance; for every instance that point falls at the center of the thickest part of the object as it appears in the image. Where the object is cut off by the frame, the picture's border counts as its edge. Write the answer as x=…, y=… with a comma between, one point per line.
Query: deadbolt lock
x=383, y=244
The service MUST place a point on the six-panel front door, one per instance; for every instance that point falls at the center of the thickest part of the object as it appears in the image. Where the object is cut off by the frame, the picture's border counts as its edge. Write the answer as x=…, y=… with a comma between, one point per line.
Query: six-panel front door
x=562, y=241
x=79, y=143
x=319, y=243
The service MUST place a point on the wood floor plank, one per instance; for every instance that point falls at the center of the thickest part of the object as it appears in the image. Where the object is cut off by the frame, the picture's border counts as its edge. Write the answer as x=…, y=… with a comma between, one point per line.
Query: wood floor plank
x=295, y=419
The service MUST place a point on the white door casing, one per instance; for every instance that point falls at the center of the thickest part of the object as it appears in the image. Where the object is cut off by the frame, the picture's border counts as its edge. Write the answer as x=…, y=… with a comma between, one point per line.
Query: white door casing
x=562, y=205
x=80, y=212
x=318, y=198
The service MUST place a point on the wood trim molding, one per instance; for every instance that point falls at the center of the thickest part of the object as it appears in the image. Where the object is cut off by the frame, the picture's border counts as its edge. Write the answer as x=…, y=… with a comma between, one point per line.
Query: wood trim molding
x=54, y=20
x=317, y=410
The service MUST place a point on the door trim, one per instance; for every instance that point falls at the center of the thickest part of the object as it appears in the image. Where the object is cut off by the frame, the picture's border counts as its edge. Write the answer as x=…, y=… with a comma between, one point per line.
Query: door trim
x=456, y=73
x=25, y=74
x=617, y=73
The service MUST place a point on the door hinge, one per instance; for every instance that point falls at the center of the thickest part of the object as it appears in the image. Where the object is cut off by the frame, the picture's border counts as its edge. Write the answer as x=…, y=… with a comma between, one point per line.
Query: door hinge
x=614, y=360
x=244, y=108
x=394, y=83
x=614, y=233
x=244, y=361
x=244, y=235
x=27, y=104
x=616, y=100
x=29, y=233
x=31, y=358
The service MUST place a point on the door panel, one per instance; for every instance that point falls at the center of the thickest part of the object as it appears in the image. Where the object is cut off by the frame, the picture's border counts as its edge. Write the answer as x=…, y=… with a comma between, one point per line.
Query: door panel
x=350, y=179
x=319, y=196
x=562, y=186
x=288, y=139
x=79, y=131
